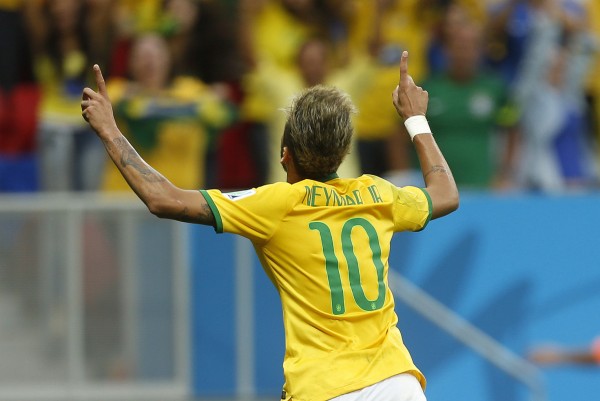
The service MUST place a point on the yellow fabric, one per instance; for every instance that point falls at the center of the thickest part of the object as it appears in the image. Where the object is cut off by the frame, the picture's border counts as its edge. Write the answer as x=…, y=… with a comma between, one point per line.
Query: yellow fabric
x=593, y=84
x=179, y=153
x=58, y=106
x=142, y=15
x=10, y=4
x=339, y=338
x=270, y=89
x=278, y=36
x=360, y=26
x=178, y=157
x=404, y=27
x=593, y=17
x=476, y=10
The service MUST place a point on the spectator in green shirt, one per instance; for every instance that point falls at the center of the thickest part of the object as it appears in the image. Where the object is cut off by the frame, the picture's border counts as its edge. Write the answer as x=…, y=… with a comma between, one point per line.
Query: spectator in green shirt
x=468, y=107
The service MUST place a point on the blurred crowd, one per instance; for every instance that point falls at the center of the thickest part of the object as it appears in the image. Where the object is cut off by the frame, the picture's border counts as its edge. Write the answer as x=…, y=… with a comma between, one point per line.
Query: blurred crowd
x=198, y=87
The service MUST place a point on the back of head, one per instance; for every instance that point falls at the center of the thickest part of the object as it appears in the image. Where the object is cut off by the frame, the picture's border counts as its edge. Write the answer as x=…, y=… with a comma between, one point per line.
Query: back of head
x=319, y=130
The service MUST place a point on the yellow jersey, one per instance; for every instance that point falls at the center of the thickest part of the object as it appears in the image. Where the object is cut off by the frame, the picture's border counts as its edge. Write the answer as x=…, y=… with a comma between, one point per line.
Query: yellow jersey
x=172, y=131
x=325, y=246
x=405, y=25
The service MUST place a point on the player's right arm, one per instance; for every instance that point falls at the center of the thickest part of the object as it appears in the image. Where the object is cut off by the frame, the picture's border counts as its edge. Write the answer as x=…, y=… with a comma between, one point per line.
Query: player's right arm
x=411, y=100
x=162, y=198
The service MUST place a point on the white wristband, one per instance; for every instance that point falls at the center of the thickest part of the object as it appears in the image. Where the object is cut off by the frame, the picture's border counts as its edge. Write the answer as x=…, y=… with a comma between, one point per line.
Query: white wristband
x=416, y=125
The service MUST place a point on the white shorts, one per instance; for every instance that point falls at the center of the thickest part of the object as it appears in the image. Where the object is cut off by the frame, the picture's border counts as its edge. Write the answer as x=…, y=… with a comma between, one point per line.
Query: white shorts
x=403, y=387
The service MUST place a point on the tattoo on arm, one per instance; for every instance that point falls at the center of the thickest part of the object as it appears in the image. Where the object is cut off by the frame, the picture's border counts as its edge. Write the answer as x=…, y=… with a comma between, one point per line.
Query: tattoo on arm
x=437, y=169
x=129, y=157
x=125, y=155
x=205, y=216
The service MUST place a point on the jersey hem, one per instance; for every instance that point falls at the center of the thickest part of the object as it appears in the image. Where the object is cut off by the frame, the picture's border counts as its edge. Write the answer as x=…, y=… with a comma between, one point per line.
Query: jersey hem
x=360, y=385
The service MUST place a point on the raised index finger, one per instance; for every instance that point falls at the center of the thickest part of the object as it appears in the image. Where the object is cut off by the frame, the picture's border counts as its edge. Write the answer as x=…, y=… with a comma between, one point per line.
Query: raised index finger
x=404, y=77
x=100, y=81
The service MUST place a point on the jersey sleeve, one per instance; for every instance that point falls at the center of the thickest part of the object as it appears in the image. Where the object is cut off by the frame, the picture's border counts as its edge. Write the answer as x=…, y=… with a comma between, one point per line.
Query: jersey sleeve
x=253, y=213
x=412, y=208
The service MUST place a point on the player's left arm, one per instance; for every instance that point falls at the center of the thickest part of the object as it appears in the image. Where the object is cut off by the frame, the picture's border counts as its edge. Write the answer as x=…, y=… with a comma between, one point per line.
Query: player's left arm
x=162, y=198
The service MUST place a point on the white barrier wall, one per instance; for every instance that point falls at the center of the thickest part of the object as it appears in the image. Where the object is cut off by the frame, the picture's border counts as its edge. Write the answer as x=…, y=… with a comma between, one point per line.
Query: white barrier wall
x=93, y=301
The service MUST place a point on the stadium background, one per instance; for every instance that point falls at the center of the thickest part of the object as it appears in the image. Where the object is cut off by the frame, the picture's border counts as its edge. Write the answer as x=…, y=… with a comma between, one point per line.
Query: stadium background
x=99, y=300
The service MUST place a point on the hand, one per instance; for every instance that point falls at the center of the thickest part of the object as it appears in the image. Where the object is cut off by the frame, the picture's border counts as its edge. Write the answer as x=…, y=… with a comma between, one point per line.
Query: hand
x=96, y=108
x=409, y=99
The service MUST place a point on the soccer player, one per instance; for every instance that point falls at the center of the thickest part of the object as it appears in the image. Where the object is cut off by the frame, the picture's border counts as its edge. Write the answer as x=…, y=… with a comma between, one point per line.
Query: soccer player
x=324, y=241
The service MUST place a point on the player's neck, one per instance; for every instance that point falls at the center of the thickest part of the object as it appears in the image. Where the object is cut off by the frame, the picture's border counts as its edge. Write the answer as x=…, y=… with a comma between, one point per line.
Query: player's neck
x=293, y=176
x=287, y=161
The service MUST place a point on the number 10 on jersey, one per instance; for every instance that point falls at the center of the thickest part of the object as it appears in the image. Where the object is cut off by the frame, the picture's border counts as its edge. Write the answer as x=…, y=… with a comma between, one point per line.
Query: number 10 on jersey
x=332, y=266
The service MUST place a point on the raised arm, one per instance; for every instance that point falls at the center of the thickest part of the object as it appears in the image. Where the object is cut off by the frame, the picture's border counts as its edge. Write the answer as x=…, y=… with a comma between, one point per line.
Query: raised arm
x=160, y=196
x=411, y=101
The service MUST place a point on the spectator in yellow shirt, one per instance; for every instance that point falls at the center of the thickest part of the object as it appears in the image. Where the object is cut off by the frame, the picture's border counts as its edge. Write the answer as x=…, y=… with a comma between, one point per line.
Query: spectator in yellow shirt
x=173, y=122
x=396, y=25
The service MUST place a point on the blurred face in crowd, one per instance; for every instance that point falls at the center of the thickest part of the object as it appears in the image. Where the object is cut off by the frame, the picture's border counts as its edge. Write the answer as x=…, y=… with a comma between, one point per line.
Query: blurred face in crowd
x=454, y=18
x=313, y=62
x=65, y=14
x=150, y=62
x=185, y=13
x=464, y=51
